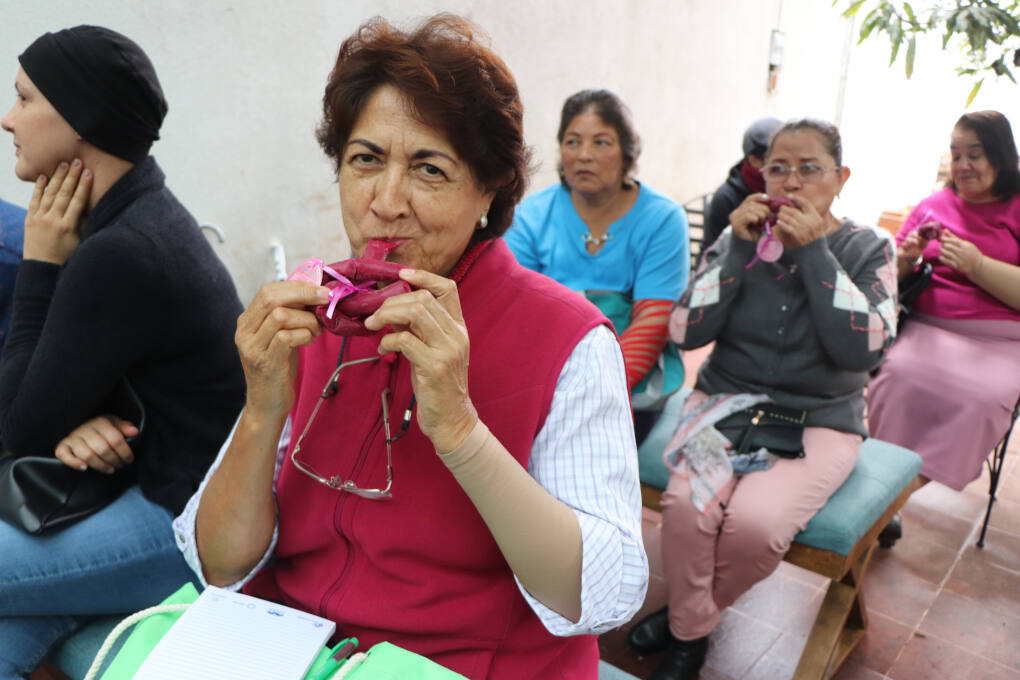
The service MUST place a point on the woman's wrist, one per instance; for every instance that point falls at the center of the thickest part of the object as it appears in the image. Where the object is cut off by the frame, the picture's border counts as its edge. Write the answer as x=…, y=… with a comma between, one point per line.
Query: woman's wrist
x=976, y=269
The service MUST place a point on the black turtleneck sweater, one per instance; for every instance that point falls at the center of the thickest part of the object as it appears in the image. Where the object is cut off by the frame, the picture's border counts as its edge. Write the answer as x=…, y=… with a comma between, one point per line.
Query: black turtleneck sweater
x=142, y=297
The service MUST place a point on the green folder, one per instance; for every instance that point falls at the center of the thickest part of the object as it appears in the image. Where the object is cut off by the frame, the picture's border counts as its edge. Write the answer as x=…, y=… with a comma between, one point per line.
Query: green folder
x=384, y=661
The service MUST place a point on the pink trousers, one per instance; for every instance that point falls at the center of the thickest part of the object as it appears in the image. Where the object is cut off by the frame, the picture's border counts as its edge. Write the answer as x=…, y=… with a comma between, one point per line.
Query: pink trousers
x=712, y=558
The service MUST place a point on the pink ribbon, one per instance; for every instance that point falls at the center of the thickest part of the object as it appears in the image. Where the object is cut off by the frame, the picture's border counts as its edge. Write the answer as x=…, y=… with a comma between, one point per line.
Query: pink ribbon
x=346, y=287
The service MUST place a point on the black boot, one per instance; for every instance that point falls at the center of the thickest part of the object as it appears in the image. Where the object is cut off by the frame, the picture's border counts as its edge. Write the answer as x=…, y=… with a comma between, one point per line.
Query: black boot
x=892, y=532
x=683, y=660
x=651, y=633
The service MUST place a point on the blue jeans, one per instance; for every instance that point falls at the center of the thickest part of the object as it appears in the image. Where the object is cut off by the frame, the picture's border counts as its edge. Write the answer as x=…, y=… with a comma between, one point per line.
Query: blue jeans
x=118, y=561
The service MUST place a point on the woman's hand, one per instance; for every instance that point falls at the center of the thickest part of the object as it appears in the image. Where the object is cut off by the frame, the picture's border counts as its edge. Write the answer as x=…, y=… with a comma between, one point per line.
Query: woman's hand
x=911, y=248
x=748, y=217
x=52, y=225
x=100, y=444
x=268, y=334
x=962, y=256
x=799, y=224
x=429, y=331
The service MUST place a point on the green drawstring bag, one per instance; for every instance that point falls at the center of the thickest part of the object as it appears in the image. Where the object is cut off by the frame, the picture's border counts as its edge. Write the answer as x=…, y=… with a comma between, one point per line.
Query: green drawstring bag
x=146, y=634
x=382, y=662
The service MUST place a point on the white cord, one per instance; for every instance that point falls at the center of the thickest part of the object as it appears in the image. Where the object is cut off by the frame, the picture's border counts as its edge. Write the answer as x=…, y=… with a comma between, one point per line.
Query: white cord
x=111, y=639
x=351, y=664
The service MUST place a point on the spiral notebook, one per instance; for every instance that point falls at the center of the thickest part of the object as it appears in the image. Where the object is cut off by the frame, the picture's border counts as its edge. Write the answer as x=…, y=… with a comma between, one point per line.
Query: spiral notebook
x=227, y=635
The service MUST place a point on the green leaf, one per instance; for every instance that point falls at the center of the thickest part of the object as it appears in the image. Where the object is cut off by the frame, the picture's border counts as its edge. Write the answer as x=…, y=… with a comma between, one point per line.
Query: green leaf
x=910, y=13
x=896, y=35
x=911, y=46
x=980, y=17
x=1003, y=70
x=870, y=21
x=973, y=92
x=853, y=8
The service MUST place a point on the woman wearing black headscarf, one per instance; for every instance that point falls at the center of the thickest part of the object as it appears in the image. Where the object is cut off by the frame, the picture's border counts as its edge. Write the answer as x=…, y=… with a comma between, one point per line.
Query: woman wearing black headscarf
x=117, y=284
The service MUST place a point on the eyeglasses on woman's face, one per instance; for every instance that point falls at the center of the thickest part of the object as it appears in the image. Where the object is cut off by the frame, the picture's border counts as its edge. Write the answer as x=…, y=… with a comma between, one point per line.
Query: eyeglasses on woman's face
x=808, y=172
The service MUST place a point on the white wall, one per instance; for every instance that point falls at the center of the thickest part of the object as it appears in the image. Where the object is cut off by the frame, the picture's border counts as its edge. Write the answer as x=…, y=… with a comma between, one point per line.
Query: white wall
x=244, y=81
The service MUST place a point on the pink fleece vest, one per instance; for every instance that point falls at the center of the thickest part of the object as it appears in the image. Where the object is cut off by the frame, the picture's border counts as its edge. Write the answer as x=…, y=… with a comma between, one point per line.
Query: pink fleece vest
x=421, y=570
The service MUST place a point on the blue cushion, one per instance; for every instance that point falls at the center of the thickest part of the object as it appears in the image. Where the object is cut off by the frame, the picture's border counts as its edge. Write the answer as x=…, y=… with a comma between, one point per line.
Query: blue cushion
x=76, y=654
x=881, y=473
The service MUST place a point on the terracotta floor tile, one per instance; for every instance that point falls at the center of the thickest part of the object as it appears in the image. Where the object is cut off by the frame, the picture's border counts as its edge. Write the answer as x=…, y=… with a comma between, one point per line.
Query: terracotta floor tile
x=933, y=526
x=928, y=560
x=738, y=642
x=712, y=674
x=930, y=658
x=935, y=497
x=975, y=627
x=803, y=575
x=776, y=600
x=891, y=587
x=854, y=671
x=882, y=642
x=1001, y=548
x=1006, y=515
x=979, y=578
x=780, y=660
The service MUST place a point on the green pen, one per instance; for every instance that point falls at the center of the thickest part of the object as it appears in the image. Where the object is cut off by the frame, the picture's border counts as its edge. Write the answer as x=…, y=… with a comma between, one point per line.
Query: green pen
x=337, y=657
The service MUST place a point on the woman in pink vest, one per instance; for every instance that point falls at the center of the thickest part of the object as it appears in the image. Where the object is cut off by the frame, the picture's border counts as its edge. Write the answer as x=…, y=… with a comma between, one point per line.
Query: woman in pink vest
x=466, y=486
x=948, y=387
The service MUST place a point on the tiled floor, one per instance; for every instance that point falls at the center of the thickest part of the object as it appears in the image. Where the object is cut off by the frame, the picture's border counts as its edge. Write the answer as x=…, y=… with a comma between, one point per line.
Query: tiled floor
x=939, y=608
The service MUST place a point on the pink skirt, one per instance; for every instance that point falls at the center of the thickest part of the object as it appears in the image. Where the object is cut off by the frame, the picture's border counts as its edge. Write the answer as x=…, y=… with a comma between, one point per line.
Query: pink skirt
x=946, y=390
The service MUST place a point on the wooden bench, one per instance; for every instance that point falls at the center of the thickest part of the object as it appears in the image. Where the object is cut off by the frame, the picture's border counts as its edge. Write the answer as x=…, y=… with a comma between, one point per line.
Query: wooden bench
x=837, y=543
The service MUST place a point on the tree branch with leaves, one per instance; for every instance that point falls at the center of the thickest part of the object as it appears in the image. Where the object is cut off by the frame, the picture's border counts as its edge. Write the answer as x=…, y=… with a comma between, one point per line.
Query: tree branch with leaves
x=987, y=32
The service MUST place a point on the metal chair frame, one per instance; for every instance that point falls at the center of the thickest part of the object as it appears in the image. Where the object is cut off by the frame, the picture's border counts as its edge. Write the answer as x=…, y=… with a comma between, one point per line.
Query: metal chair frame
x=995, y=462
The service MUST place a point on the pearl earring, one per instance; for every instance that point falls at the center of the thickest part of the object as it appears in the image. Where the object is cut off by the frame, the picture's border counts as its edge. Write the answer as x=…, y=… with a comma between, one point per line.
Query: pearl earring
x=484, y=222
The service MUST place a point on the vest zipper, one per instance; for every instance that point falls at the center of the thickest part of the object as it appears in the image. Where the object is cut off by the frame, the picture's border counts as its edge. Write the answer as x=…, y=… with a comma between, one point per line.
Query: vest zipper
x=342, y=502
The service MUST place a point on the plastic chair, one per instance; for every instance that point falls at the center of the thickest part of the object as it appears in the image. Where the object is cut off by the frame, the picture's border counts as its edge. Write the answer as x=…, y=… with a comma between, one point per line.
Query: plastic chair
x=995, y=462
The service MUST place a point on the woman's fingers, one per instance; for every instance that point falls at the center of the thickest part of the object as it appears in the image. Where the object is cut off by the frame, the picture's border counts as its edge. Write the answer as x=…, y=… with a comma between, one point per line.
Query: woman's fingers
x=436, y=320
x=55, y=213
x=66, y=455
x=281, y=305
x=269, y=331
x=37, y=194
x=53, y=187
x=443, y=289
x=751, y=212
x=71, y=197
x=98, y=443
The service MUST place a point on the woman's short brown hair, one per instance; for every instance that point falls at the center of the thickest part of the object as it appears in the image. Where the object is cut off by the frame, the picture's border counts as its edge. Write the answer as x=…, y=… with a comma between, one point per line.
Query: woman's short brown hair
x=454, y=83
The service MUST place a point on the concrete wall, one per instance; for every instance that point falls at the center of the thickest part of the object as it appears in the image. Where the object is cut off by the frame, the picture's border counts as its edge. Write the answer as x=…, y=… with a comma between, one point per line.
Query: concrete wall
x=244, y=81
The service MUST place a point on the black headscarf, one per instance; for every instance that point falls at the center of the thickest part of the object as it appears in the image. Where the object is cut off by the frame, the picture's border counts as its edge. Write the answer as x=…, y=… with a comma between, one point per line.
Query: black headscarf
x=104, y=86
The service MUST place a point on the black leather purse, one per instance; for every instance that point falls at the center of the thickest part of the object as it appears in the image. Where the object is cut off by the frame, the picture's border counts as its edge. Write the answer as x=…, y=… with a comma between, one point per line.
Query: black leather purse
x=910, y=289
x=40, y=494
x=770, y=426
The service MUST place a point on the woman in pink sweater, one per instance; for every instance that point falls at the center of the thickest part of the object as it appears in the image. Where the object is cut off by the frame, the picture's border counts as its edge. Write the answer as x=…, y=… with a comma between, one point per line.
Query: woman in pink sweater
x=948, y=385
